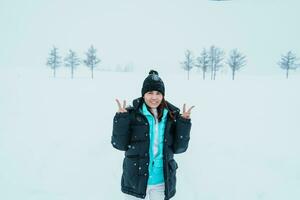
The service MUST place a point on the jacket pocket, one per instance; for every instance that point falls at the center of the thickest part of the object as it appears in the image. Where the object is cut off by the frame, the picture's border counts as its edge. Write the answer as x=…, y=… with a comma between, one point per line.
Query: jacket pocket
x=130, y=173
x=130, y=166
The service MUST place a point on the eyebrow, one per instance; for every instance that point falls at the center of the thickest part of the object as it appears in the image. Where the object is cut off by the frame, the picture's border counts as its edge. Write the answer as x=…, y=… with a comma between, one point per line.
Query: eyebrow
x=155, y=91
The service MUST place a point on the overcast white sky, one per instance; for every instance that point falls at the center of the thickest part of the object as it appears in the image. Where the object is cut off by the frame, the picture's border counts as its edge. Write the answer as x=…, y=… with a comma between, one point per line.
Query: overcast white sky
x=148, y=33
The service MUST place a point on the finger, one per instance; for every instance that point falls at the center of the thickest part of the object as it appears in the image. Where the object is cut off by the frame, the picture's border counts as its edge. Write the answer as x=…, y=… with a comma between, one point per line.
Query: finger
x=183, y=108
x=119, y=104
x=189, y=110
x=124, y=104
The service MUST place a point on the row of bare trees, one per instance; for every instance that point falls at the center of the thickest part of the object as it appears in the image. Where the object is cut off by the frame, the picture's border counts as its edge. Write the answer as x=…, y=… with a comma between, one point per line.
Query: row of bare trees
x=72, y=60
x=209, y=60
x=213, y=59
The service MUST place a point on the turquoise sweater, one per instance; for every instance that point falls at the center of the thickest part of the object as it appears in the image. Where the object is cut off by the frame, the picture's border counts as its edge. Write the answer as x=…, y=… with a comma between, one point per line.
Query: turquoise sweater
x=156, y=173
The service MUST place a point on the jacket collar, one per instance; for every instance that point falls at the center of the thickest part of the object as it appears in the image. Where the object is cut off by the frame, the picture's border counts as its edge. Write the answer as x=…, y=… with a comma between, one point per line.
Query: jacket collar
x=145, y=111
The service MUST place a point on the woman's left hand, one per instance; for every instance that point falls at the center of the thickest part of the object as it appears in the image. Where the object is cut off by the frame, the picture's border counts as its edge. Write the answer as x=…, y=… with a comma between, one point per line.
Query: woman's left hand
x=186, y=114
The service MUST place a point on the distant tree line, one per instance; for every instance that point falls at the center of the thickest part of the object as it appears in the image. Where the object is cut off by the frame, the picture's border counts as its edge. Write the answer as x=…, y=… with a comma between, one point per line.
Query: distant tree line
x=73, y=61
x=211, y=60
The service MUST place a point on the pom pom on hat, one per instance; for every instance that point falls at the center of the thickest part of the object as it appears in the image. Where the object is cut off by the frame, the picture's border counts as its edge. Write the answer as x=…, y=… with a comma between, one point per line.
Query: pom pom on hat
x=153, y=72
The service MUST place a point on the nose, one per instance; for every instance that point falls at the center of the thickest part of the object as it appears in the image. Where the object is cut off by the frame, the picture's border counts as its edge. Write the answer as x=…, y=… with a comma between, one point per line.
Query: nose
x=154, y=96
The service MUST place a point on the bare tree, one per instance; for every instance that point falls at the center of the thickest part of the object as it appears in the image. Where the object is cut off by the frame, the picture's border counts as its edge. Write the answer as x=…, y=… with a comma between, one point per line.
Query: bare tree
x=91, y=60
x=54, y=60
x=236, y=61
x=202, y=62
x=188, y=63
x=216, y=56
x=288, y=62
x=72, y=61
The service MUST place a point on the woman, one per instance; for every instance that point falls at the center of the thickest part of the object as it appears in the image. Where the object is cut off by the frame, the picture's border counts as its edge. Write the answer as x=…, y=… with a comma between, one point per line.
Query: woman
x=150, y=132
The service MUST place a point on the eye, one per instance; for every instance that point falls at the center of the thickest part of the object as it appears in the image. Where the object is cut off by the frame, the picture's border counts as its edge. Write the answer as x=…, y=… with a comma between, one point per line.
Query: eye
x=156, y=92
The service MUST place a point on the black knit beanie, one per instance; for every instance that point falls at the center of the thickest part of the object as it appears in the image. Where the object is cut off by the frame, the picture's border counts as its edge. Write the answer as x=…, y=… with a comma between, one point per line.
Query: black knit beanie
x=153, y=82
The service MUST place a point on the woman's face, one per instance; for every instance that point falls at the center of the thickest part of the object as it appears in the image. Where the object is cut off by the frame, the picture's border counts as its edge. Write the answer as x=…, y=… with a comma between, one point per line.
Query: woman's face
x=153, y=98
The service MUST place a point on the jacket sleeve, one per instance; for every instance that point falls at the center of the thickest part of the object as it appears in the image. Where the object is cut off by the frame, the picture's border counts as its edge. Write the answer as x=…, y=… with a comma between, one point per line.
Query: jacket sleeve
x=182, y=134
x=120, y=134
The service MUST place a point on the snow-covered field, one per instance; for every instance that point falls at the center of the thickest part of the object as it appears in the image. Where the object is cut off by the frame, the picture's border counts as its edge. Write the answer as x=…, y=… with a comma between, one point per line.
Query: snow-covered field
x=55, y=136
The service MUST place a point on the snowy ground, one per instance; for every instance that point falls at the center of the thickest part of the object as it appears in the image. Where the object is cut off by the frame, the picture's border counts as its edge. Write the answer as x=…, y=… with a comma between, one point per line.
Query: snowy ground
x=55, y=136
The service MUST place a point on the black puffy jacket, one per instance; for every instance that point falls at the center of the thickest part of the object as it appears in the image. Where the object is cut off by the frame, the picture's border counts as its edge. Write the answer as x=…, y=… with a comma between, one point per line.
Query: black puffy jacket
x=131, y=134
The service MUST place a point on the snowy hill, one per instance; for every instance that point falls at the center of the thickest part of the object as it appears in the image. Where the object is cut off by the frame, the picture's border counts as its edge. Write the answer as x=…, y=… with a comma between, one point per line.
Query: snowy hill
x=55, y=136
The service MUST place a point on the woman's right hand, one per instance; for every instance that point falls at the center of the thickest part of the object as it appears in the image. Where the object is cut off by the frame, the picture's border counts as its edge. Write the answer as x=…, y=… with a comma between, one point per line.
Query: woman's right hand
x=121, y=108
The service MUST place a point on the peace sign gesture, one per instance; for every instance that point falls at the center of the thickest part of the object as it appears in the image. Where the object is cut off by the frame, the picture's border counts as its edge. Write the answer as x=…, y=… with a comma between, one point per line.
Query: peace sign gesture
x=121, y=108
x=186, y=114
